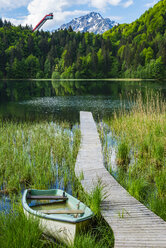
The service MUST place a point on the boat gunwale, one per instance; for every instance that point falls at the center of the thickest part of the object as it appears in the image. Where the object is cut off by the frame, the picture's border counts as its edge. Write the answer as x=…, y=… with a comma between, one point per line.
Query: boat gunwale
x=55, y=217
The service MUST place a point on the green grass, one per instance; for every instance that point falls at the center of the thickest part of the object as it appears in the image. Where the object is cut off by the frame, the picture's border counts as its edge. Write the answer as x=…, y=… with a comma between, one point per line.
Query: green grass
x=16, y=231
x=140, y=135
x=98, y=236
x=123, y=157
x=95, y=198
x=35, y=154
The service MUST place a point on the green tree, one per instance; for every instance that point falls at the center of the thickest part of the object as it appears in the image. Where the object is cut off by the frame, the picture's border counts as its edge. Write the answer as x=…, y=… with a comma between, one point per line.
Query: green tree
x=158, y=68
x=148, y=54
x=56, y=74
x=18, y=69
x=47, y=68
x=1, y=74
x=32, y=66
x=1, y=23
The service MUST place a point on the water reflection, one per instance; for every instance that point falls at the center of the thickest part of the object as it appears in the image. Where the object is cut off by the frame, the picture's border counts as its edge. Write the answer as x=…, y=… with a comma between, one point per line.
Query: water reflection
x=62, y=100
x=5, y=203
x=69, y=106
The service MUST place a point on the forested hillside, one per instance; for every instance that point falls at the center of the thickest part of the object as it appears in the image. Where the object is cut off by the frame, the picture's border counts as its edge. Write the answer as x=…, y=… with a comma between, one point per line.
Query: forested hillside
x=141, y=46
x=64, y=53
x=128, y=50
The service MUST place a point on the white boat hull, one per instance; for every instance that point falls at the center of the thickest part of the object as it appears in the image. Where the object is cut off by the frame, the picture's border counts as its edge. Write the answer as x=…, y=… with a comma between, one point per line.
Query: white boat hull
x=68, y=217
x=63, y=231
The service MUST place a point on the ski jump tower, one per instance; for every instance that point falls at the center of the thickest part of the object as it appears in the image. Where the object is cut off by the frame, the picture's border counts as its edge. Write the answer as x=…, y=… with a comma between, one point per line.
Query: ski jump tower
x=47, y=17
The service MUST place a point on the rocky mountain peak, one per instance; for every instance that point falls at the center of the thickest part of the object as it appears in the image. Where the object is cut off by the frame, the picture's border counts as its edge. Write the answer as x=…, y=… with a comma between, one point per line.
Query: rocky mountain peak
x=92, y=22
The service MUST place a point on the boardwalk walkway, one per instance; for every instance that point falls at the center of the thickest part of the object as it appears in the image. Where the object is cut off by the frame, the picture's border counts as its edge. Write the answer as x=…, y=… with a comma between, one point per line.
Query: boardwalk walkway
x=132, y=223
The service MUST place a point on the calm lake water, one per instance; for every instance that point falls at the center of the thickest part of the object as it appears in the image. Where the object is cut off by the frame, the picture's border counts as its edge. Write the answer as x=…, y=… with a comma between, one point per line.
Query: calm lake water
x=62, y=100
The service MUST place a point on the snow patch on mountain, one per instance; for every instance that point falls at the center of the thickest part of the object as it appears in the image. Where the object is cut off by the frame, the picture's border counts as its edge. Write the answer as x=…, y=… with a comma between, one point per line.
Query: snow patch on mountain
x=92, y=22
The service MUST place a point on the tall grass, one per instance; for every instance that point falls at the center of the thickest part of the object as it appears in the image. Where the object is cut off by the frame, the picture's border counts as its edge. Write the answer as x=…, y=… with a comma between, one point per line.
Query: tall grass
x=141, y=134
x=123, y=157
x=36, y=154
x=39, y=155
x=99, y=233
x=17, y=232
x=99, y=236
x=95, y=198
x=22, y=232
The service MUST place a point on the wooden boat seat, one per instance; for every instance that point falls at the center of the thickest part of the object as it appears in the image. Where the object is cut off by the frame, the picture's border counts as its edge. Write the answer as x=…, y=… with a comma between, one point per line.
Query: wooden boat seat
x=46, y=197
x=63, y=211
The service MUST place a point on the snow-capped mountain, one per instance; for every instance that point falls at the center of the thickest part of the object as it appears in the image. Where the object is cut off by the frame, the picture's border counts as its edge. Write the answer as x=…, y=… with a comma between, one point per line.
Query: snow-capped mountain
x=92, y=22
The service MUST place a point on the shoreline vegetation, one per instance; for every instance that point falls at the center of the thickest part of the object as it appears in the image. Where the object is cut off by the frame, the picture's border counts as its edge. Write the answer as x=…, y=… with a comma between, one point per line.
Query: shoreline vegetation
x=42, y=154
x=139, y=141
x=36, y=154
x=81, y=79
x=29, y=233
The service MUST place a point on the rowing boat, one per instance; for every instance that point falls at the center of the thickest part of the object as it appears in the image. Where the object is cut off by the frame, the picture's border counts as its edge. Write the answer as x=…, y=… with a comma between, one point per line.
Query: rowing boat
x=60, y=214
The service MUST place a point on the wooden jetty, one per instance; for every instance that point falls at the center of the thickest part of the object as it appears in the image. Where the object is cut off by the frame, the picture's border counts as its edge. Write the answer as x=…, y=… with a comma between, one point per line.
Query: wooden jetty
x=133, y=224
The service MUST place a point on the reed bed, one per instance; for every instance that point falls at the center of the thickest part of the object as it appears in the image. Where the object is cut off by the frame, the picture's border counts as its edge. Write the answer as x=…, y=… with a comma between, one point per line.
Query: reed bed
x=36, y=155
x=16, y=231
x=42, y=155
x=139, y=135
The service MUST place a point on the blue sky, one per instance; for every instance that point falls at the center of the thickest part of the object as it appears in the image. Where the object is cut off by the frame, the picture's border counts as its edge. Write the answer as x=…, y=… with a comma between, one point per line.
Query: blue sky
x=32, y=11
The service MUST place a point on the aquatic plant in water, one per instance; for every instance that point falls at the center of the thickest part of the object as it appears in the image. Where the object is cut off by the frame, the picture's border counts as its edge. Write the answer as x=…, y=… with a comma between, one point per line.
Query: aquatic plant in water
x=40, y=155
x=36, y=155
x=123, y=158
x=17, y=231
x=144, y=128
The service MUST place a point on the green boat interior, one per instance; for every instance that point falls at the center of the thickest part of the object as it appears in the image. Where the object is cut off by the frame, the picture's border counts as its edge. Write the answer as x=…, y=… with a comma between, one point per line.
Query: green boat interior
x=55, y=204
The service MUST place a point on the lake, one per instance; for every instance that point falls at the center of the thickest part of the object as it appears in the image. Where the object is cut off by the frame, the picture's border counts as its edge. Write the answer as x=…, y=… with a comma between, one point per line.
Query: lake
x=62, y=100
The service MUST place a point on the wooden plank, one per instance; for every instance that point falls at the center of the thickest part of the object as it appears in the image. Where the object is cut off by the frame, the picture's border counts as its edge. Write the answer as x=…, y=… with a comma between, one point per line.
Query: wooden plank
x=49, y=203
x=46, y=197
x=63, y=211
x=133, y=224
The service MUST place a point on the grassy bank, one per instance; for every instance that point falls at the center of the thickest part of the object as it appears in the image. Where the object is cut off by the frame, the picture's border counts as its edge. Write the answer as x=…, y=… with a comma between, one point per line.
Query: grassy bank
x=42, y=155
x=140, y=145
x=36, y=155
x=16, y=231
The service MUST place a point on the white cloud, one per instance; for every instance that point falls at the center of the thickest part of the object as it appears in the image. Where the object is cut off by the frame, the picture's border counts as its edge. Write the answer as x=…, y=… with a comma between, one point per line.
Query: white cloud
x=59, y=19
x=114, y=2
x=12, y=4
x=151, y=4
x=116, y=18
x=128, y=3
x=13, y=21
x=36, y=6
x=37, y=9
x=100, y=4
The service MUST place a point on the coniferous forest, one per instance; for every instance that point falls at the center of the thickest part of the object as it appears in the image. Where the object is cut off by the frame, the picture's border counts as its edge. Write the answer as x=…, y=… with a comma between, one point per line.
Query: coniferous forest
x=136, y=50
